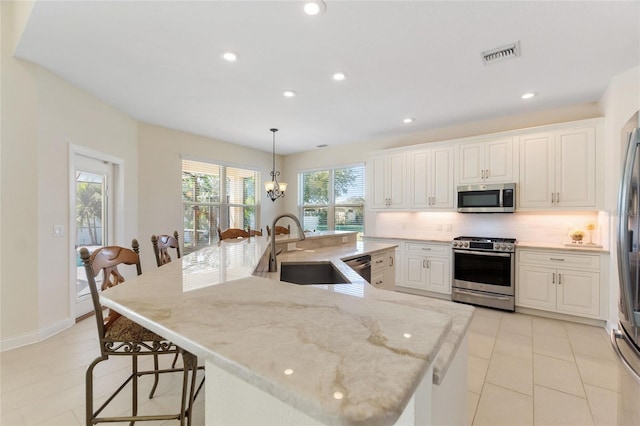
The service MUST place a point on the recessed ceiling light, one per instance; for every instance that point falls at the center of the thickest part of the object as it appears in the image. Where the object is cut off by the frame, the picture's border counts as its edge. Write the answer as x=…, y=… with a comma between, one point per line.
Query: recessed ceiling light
x=339, y=76
x=315, y=7
x=528, y=95
x=290, y=93
x=229, y=56
x=409, y=120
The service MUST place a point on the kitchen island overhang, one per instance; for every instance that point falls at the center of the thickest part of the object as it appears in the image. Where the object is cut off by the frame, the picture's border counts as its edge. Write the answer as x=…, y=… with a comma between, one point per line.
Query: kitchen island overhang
x=337, y=358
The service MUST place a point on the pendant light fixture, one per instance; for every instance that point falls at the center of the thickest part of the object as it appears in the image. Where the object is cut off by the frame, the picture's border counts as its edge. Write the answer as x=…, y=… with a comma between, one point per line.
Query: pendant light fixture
x=274, y=188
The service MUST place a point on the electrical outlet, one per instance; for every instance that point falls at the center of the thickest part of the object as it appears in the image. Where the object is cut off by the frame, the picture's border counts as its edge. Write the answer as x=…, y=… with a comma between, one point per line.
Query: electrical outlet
x=344, y=239
x=58, y=230
x=291, y=246
x=439, y=227
x=449, y=227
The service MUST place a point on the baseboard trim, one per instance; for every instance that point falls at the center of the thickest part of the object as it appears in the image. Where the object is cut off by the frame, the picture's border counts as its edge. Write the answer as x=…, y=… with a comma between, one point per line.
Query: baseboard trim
x=35, y=337
x=562, y=317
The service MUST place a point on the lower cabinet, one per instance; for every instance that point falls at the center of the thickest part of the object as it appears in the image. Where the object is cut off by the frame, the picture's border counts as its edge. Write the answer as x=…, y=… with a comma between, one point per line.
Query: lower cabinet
x=559, y=281
x=427, y=266
x=383, y=270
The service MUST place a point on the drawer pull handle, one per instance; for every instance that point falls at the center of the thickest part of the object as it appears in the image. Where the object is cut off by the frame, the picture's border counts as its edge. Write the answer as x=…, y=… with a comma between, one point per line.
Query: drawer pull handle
x=390, y=260
x=557, y=258
x=559, y=279
x=426, y=248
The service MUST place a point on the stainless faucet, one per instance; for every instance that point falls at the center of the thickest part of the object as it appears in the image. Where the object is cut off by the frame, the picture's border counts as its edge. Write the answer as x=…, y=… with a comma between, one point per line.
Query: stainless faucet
x=273, y=265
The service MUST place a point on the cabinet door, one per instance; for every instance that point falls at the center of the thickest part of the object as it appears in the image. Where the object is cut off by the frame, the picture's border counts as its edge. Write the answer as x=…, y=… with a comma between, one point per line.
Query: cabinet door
x=438, y=275
x=536, y=287
x=396, y=181
x=575, y=155
x=415, y=271
x=441, y=182
x=377, y=187
x=390, y=271
x=578, y=292
x=498, y=161
x=537, y=173
x=419, y=171
x=471, y=163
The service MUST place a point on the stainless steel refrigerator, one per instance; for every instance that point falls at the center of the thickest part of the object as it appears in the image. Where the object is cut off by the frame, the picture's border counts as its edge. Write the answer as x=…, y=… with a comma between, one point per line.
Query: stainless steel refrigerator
x=626, y=339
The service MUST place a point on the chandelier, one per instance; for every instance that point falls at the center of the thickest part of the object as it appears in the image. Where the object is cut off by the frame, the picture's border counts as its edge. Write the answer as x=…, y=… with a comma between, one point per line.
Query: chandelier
x=274, y=188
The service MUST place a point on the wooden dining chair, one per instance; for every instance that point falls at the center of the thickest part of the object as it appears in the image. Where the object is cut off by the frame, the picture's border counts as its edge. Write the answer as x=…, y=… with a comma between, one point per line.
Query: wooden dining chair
x=119, y=336
x=279, y=230
x=162, y=244
x=254, y=232
x=232, y=234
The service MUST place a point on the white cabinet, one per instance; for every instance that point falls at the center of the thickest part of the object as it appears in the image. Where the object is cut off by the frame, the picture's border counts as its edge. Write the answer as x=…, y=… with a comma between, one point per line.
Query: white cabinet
x=387, y=181
x=558, y=169
x=427, y=266
x=486, y=162
x=383, y=269
x=559, y=281
x=431, y=179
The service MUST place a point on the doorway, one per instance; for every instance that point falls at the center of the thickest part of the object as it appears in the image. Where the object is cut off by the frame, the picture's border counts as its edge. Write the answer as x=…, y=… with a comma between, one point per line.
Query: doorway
x=92, y=228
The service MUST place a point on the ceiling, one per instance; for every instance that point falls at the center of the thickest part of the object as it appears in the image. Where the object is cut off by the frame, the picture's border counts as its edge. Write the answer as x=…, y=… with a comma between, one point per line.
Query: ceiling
x=160, y=62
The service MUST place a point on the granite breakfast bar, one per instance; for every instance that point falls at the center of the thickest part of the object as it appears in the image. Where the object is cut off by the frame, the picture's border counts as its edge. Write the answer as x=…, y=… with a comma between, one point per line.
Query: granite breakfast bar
x=280, y=353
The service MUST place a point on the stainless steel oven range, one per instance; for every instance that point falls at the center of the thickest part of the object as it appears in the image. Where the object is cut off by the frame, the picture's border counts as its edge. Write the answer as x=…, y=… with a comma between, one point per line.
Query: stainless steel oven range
x=484, y=271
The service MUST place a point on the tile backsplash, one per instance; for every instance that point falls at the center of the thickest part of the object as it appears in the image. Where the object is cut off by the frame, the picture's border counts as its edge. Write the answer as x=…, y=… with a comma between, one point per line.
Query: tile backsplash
x=525, y=227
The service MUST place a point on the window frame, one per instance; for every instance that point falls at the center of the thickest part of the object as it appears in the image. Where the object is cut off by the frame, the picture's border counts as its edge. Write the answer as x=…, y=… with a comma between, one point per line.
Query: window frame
x=222, y=206
x=332, y=205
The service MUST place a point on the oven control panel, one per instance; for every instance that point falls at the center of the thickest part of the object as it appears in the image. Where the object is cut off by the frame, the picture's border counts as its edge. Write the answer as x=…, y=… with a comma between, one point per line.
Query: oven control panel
x=506, y=245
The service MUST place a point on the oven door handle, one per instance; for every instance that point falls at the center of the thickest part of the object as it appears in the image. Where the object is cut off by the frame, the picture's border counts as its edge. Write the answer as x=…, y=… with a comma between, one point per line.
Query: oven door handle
x=471, y=293
x=483, y=253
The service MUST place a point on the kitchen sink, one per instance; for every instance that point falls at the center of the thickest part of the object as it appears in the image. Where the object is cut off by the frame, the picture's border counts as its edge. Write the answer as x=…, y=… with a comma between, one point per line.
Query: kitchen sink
x=311, y=273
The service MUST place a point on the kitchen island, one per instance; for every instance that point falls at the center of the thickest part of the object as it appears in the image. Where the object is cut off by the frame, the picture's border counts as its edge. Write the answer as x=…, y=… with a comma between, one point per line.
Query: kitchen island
x=280, y=353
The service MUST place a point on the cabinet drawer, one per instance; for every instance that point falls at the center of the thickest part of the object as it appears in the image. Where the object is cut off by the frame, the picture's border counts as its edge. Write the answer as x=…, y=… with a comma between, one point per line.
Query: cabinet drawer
x=379, y=261
x=560, y=260
x=427, y=249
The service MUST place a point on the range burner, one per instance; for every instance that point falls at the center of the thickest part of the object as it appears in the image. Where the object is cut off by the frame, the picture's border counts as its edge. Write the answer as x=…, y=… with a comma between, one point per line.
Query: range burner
x=485, y=243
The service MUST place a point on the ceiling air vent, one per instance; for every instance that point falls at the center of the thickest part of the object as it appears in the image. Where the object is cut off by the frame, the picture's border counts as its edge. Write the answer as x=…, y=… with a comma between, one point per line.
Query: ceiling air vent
x=509, y=51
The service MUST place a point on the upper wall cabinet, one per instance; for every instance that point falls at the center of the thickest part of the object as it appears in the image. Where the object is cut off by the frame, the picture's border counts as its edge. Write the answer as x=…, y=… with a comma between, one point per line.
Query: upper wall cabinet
x=558, y=169
x=431, y=179
x=486, y=162
x=387, y=182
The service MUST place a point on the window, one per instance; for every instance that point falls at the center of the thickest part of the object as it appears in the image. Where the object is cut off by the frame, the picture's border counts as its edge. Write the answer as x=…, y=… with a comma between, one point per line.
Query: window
x=216, y=196
x=333, y=199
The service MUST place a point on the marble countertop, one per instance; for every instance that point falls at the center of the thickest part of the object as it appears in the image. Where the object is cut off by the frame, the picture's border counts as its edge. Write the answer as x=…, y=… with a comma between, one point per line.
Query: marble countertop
x=343, y=354
x=573, y=247
x=519, y=244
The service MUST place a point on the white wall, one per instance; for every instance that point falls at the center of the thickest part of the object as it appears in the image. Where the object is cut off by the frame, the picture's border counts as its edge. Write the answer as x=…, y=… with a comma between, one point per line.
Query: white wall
x=619, y=103
x=41, y=116
x=160, y=152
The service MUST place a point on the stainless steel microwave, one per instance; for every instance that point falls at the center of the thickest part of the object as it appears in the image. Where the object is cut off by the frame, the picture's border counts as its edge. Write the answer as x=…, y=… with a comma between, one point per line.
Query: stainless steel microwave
x=490, y=198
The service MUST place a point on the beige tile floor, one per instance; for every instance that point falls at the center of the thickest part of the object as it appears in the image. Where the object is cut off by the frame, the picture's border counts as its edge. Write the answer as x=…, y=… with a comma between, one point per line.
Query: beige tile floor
x=523, y=370
x=527, y=370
